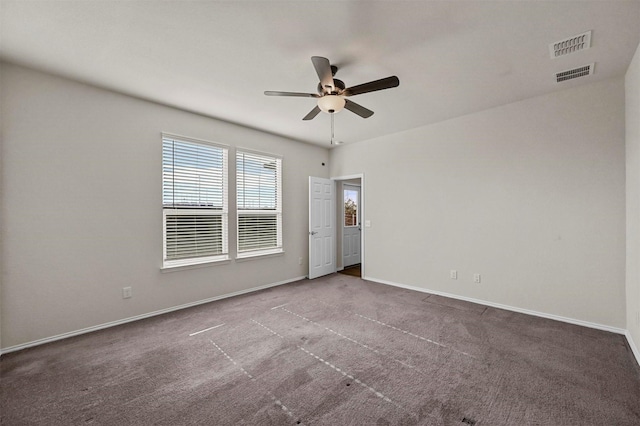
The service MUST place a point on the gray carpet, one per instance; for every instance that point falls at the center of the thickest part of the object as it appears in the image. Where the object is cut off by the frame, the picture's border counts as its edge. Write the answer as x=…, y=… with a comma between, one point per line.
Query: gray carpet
x=334, y=351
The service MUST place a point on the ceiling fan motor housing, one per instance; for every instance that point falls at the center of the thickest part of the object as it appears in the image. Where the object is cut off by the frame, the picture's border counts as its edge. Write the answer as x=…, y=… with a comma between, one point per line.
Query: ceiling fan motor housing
x=339, y=86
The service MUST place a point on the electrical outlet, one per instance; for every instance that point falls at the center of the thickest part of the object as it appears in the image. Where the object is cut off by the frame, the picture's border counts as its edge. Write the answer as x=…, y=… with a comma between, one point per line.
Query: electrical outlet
x=126, y=292
x=476, y=278
x=453, y=274
x=638, y=318
x=299, y=261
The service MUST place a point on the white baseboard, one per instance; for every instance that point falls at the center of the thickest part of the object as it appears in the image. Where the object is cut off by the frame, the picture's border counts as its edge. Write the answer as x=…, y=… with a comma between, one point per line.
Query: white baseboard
x=633, y=346
x=139, y=317
x=508, y=308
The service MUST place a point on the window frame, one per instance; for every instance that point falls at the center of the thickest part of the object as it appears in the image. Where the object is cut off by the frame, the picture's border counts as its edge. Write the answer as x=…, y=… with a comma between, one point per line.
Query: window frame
x=200, y=211
x=345, y=188
x=277, y=211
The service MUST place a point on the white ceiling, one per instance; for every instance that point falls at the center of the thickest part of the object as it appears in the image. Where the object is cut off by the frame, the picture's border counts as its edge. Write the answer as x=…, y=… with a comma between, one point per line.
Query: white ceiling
x=218, y=57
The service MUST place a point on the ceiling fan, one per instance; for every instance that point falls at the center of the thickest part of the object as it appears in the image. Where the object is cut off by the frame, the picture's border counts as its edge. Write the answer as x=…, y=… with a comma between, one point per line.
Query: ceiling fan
x=332, y=92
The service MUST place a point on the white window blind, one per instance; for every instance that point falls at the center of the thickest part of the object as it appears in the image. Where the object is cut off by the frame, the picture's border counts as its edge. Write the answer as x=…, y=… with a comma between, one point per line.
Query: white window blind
x=259, y=203
x=194, y=201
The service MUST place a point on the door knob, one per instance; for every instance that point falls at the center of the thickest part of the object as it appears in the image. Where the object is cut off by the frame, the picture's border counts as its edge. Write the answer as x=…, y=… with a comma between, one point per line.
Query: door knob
x=312, y=233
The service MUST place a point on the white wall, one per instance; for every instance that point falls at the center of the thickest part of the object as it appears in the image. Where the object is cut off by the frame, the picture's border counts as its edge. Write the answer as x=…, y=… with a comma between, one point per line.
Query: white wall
x=632, y=92
x=2, y=115
x=81, y=207
x=530, y=195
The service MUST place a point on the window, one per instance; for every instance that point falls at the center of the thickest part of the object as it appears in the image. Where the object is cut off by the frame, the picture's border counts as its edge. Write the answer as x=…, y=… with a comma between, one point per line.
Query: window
x=194, y=201
x=259, y=196
x=351, y=208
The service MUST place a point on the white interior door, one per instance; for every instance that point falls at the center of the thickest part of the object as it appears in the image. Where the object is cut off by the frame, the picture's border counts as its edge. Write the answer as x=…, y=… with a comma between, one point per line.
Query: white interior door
x=351, y=228
x=322, y=227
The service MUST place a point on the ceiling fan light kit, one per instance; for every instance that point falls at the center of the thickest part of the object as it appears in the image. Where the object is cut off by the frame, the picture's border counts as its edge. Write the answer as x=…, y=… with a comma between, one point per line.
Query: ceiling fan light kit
x=331, y=103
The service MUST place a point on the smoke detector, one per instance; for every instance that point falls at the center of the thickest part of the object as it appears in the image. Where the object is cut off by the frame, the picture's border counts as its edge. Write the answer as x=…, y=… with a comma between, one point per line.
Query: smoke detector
x=570, y=45
x=582, y=71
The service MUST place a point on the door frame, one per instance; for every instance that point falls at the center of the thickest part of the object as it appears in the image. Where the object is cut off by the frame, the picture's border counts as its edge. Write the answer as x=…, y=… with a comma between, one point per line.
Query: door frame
x=362, y=218
x=353, y=187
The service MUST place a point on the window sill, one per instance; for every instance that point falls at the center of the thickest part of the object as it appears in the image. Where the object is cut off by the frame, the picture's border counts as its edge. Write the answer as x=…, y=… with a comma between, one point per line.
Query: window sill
x=206, y=264
x=246, y=256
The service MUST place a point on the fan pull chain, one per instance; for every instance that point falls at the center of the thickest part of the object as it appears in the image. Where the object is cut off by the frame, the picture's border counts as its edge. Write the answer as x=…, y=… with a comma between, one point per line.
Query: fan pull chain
x=332, y=129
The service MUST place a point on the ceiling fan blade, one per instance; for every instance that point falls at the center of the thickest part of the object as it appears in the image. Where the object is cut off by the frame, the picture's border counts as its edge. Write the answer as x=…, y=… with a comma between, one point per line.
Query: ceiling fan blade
x=323, y=68
x=312, y=113
x=372, y=86
x=296, y=94
x=358, y=109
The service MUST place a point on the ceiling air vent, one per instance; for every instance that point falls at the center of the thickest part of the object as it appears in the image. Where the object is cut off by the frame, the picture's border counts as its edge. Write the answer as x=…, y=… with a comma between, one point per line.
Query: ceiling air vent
x=570, y=45
x=575, y=73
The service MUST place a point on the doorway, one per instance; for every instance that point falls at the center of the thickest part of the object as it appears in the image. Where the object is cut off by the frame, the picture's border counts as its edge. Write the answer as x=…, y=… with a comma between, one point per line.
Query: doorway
x=350, y=225
x=327, y=219
x=349, y=218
